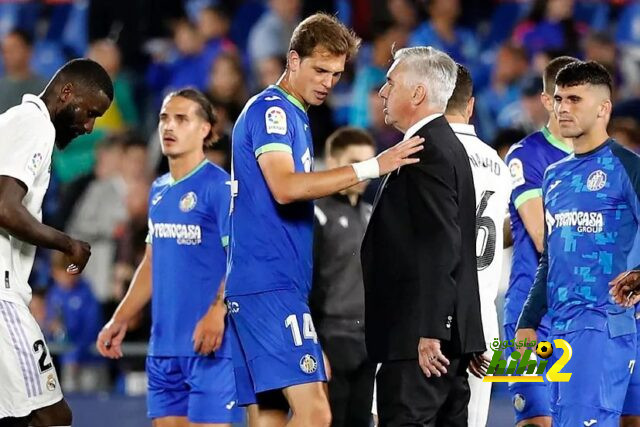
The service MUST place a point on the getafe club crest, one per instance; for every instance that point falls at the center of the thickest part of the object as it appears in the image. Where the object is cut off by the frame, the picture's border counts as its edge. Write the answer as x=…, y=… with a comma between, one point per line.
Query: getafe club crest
x=188, y=201
x=597, y=180
x=308, y=364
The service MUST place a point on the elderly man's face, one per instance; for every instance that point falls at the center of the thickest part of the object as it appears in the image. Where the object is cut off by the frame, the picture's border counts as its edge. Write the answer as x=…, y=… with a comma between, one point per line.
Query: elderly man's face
x=396, y=95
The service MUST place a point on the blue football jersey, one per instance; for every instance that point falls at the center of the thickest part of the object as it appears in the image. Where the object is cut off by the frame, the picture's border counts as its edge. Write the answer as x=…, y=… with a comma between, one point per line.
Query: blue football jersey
x=188, y=232
x=271, y=244
x=527, y=161
x=592, y=212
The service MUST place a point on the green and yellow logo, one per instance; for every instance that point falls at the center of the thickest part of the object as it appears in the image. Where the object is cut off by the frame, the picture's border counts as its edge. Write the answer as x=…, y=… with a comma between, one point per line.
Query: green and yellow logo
x=522, y=367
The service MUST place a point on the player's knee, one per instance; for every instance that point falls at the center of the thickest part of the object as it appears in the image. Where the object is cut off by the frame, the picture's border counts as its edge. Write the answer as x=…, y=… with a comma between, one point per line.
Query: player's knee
x=630, y=421
x=317, y=414
x=535, y=422
x=58, y=414
x=15, y=422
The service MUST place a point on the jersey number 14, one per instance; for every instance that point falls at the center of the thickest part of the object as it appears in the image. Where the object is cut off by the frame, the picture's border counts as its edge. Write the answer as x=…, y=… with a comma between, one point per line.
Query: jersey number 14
x=308, y=331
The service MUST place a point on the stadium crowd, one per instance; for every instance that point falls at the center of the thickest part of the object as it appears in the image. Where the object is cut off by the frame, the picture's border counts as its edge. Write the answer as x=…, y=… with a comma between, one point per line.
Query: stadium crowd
x=231, y=50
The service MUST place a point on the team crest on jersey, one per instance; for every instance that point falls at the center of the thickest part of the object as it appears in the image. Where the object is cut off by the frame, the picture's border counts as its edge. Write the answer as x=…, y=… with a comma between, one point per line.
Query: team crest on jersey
x=519, y=402
x=51, y=382
x=308, y=364
x=34, y=163
x=276, y=120
x=597, y=180
x=188, y=201
x=517, y=172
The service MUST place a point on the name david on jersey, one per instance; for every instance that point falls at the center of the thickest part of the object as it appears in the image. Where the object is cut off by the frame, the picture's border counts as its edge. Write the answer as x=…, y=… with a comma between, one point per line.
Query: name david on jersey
x=184, y=234
x=584, y=222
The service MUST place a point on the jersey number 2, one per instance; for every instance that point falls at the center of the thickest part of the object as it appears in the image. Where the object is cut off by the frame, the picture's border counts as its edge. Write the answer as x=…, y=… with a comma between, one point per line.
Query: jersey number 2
x=485, y=233
x=42, y=361
x=308, y=331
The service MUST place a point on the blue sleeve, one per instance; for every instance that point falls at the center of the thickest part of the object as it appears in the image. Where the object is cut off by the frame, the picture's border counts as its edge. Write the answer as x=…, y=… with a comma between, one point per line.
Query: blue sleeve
x=535, y=307
x=631, y=165
x=222, y=203
x=270, y=124
x=526, y=175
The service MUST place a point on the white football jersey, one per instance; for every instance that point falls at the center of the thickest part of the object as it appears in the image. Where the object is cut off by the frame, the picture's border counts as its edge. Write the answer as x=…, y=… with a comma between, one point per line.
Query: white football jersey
x=492, y=182
x=493, y=186
x=26, y=146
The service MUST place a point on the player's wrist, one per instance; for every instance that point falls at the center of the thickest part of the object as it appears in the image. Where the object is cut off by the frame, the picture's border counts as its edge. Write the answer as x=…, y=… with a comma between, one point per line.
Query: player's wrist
x=368, y=169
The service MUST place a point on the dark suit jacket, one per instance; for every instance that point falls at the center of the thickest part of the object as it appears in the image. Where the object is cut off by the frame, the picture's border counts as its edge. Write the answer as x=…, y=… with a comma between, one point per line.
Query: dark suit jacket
x=418, y=254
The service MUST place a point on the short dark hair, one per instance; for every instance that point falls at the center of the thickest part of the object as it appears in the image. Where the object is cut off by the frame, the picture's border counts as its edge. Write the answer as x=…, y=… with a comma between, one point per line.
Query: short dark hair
x=322, y=29
x=86, y=73
x=551, y=71
x=23, y=35
x=205, y=111
x=346, y=136
x=221, y=11
x=462, y=92
x=580, y=73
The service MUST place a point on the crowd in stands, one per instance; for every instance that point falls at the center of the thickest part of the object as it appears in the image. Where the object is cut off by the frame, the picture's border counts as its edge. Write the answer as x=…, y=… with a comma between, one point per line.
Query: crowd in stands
x=232, y=49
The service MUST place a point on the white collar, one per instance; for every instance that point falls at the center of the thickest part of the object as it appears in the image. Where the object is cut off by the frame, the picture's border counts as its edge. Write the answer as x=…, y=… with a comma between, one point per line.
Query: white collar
x=418, y=125
x=463, y=128
x=36, y=100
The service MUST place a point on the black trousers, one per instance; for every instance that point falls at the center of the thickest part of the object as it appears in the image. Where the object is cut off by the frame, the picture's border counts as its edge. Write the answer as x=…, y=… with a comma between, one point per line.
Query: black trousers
x=406, y=397
x=350, y=396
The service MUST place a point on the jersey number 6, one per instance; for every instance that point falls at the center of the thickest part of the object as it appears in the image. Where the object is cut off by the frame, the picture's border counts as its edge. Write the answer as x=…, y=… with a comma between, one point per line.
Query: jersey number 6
x=485, y=233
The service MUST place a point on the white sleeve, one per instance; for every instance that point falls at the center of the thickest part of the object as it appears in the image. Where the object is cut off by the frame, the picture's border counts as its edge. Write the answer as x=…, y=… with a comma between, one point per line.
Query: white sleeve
x=22, y=149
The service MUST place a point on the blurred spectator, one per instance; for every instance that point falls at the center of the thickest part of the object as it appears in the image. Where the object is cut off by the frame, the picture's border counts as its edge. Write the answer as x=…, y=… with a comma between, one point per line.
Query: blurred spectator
x=269, y=70
x=510, y=67
x=505, y=138
x=187, y=65
x=134, y=161
x=626, y=131
x=270, y=35
x=131, y=24
x=79, y=157
x=403, y=14
x=385, y=136
x=337, y=294
x=218, y=154
x=214, y=24
x=74, y=318
x=123, y=112
x=600, y=47
x=550, y=25
x=527, y=113
x=628, y=41
x=441, y=32
x=374, y=74
x=131, y=238
x=19, y=78
x=38, y=306
x=227, y=84
x=98, y=213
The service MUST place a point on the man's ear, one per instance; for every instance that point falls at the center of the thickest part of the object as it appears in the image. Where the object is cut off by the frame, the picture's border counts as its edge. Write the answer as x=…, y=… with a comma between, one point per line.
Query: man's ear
x=605, y=109
x=469, y=110
x=66, y=92
x=293, y=60
x=419, y=94
x=547, y=102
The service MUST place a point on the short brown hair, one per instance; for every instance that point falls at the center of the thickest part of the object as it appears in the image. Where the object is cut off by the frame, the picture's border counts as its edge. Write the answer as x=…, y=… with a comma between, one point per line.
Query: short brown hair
x=346, y=136
x=462, y=92
x=321, y=29
x=205, y=111
x=551, y=72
